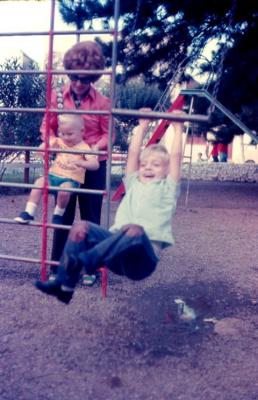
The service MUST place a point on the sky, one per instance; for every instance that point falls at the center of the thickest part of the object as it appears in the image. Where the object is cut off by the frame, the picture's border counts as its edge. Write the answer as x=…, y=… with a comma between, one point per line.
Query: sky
x=31, y=16
x=34, y=16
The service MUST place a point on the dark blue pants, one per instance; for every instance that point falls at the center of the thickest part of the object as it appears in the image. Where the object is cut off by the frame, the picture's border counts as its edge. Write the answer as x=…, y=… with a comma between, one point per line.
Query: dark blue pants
x=90, y=209
x=132, y=256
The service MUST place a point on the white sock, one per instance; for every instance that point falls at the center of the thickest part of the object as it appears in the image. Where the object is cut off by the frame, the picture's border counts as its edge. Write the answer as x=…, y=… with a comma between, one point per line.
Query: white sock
x=31, y=208
x=59, y=211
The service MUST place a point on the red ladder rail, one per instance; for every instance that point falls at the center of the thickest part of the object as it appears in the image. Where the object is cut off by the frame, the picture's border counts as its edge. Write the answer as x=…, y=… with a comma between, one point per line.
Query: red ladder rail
x=104, y=280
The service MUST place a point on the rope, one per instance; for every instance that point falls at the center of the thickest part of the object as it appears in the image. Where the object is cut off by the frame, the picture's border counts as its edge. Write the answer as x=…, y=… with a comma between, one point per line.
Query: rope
x=223, y=57
x=138, y=7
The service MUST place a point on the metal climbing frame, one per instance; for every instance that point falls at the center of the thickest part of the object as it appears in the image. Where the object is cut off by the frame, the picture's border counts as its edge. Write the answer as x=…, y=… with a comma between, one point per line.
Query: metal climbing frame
x=50, y=72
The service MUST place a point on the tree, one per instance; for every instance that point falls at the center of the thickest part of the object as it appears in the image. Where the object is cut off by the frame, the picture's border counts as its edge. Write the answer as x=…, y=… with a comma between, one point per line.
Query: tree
x=158, y=36
x=76, y=12
x=154, y=31
x=20, y=91
x=134, y=94
x=239, y=84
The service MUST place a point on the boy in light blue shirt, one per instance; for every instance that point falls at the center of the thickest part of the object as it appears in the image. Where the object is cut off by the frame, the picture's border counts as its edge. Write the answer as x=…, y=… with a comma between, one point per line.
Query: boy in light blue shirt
x=143, y=222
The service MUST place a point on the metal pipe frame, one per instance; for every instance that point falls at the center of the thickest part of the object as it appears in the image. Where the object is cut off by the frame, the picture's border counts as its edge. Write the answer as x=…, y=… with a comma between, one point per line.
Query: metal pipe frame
x=223, y=109
x=55, y=72
x=35, y=224
x=191, y=155
x=118, y=112
x=52, y=110
x=43, y=269
x=61, y=33
x=161, y=115
x=113, y=102
x=113, y=112
x=51, y=188
x=27, y=259
x=47, y=110
x=52, y=150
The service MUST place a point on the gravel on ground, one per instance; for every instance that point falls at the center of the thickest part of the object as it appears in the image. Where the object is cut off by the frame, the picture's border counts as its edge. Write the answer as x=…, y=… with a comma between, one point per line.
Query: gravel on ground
x=135, y=344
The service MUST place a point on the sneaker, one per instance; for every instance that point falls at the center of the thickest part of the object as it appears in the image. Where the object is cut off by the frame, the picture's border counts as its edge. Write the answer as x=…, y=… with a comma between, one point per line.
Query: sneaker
x=89, y=280
x=24, y=218
x=54, y=289
x=57, y=219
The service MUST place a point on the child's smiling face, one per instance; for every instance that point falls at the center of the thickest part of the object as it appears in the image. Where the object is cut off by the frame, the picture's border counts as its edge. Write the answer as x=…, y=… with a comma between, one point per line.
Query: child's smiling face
x=70, y=129
x=152, y=167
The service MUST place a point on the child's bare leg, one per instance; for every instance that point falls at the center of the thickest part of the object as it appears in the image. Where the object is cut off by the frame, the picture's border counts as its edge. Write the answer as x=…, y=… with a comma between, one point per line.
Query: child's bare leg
x=61, y=203
x=62, y=199
x=35, y=194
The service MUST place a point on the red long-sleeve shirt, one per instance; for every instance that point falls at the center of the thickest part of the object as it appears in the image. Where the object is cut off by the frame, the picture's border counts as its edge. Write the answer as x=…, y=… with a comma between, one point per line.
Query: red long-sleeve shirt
x=96, y=126
x=223, y=148
x=215, y=150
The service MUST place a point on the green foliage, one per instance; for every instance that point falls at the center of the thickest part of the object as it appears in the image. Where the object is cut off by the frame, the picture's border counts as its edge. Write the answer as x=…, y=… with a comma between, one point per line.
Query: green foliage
x=157, y=36
x=134, y=95
x=238, y=89
x=159, y=33
x=77, y=12
x=20, y=91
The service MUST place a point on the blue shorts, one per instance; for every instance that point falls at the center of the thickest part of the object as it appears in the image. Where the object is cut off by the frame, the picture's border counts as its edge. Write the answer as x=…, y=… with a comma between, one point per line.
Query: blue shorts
x=223, y=157
x=55, y=180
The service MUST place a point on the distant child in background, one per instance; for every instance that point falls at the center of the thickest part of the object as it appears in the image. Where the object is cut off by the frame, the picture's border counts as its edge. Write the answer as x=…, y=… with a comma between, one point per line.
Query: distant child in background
x=67, y=170
x=215, y=152
x=142, y=226
x=199, y=158
x=223, y=152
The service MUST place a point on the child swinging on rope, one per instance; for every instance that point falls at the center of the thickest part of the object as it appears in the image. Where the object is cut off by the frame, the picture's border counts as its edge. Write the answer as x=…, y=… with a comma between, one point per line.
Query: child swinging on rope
x=142, y=226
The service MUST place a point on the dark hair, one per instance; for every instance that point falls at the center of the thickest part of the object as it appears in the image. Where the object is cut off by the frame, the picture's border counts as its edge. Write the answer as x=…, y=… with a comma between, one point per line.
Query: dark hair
x=85, y=55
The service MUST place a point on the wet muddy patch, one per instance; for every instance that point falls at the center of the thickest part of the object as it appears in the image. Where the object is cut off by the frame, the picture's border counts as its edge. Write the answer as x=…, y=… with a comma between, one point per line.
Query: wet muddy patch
x=163, y=329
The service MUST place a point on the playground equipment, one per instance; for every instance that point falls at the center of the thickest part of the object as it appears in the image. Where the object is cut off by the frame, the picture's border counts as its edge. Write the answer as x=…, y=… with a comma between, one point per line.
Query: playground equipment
x=50, y=73
x=158, y=114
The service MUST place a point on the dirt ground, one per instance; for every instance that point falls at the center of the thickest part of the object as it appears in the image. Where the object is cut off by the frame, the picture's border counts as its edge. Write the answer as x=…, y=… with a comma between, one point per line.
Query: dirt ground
x=134, y=345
